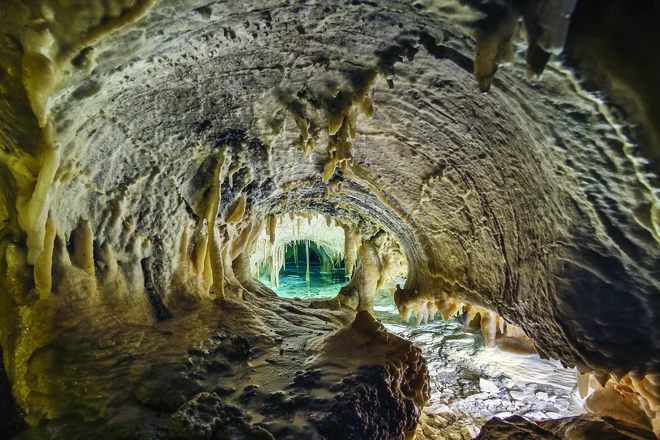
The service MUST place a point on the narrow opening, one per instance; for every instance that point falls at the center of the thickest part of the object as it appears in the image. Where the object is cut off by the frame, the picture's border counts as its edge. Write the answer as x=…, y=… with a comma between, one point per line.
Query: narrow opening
x=301, y=256
x=326, y=276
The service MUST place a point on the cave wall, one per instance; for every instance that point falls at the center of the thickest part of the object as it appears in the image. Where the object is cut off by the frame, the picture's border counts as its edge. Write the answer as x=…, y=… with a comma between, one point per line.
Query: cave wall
x=515, y=199
x=123, y=125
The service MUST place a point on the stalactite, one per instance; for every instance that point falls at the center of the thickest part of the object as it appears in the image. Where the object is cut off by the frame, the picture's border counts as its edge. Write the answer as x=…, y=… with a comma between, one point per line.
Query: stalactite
x=274, y=272
x=295, y=253
x=307, y=258
x=276, y=263
x=350, y=251
x=272, y=226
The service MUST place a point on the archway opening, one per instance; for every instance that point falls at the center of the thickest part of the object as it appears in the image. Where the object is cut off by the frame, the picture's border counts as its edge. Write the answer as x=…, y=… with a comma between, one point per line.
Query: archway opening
x=308, y=255
x=302, y=255
x=308, y=271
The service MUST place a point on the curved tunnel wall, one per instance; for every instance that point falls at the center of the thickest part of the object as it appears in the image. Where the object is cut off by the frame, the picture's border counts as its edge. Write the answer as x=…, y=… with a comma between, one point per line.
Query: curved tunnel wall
x=521, y=200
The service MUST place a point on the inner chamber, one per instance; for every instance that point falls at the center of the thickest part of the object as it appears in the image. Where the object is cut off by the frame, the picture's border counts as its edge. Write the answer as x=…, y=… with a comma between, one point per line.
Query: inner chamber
x=308, y=250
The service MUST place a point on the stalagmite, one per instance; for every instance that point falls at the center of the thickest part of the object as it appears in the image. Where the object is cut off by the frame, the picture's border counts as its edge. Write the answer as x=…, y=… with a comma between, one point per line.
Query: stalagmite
x=84, y=248
x=361, y=289
x=583, y=384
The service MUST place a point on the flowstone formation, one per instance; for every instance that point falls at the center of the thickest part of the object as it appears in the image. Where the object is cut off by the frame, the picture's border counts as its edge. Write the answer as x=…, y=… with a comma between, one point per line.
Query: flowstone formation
x=148, y=147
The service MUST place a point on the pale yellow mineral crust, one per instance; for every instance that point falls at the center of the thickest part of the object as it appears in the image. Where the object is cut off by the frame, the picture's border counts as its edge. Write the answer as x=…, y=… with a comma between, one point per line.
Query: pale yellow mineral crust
x=156, y=157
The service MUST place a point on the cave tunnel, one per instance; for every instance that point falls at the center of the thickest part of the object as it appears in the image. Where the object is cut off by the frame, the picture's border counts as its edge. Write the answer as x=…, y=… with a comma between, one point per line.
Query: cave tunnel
x=478, y=179
x=323, y=280
x=308, y=271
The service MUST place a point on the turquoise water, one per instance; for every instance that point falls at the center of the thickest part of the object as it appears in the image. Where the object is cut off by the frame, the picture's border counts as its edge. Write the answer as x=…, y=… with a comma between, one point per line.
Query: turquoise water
x=326, y=285
x=320, y=285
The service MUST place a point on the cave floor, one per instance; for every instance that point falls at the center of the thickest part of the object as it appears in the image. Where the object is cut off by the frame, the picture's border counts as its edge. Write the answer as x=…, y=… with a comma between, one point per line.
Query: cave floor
x=470, y=384
x=128, y=379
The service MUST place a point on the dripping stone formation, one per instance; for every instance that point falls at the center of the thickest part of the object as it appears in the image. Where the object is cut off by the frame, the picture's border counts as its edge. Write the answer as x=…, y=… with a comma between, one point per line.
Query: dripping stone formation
x=489, y=163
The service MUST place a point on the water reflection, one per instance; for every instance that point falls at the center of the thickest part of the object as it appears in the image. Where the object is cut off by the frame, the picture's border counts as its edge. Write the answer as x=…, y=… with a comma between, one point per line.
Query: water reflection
x=319, y=285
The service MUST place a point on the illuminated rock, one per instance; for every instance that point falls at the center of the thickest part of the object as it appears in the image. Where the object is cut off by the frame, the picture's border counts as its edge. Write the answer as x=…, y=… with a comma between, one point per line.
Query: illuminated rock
x=150, y=152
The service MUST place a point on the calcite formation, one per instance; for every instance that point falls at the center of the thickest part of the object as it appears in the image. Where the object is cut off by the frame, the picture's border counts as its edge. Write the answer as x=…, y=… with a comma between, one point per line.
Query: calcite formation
x=150, y=150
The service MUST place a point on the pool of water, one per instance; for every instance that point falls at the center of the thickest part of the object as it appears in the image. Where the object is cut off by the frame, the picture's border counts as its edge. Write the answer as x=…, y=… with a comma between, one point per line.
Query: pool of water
x=320, y=285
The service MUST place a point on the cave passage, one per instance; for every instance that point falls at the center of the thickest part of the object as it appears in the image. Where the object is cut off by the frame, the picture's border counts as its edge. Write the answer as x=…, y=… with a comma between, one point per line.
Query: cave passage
x=325, y=277
x=329, y=220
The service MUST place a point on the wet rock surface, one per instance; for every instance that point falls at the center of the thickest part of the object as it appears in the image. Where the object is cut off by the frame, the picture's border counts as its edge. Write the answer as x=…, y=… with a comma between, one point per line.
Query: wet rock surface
x=471, y=384
x=244, y=374
x=11, y=415
x=206, y=417
x=514, y=427
x=585, y=426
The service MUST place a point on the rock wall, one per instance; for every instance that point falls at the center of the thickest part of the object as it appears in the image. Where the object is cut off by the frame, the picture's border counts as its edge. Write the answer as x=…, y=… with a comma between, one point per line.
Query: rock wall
x=145, y=144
